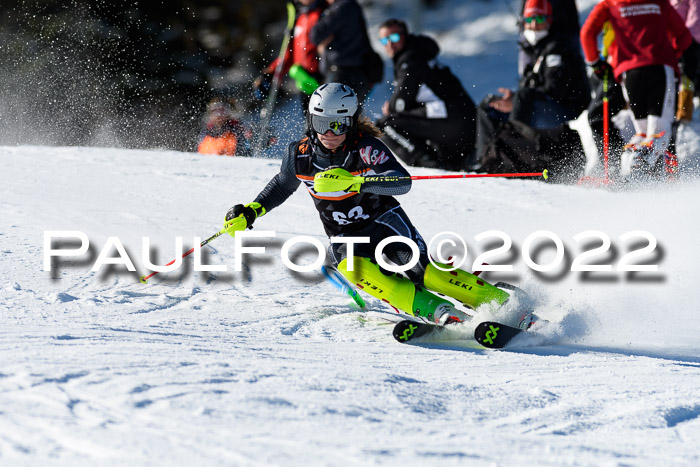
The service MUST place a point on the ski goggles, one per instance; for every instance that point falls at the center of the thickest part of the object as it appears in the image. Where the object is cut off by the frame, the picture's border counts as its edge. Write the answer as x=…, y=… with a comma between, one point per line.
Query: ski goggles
x=338, y=125
x=394, y=37
x=539, y=19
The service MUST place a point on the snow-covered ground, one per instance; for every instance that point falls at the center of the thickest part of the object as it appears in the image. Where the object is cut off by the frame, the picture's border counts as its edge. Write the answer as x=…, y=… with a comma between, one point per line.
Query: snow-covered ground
x=265, y=367
x=269, y=367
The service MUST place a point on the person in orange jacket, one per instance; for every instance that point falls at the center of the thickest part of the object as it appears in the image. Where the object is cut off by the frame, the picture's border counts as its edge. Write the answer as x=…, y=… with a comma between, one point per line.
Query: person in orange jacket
x=650, y=38
x=223, y=134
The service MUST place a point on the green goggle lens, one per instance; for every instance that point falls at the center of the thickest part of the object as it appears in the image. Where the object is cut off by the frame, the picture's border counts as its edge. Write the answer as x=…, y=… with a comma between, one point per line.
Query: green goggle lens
x=539, y=19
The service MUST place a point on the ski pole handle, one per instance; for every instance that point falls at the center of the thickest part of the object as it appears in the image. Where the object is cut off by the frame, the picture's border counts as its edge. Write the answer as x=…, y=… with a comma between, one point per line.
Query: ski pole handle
x=144, y=279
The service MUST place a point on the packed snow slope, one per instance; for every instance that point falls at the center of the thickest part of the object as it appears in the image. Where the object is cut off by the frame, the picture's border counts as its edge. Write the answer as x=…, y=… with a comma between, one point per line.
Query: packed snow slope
x=270, y=367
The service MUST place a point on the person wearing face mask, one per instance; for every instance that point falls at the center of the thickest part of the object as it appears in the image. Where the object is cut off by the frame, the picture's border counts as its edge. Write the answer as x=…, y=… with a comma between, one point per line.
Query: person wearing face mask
x=564, y=25
x=554, y=86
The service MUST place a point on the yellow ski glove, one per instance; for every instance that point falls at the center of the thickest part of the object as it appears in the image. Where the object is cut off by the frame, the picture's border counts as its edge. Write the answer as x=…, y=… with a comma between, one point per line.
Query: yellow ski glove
x=337, y=179
x=241, y=217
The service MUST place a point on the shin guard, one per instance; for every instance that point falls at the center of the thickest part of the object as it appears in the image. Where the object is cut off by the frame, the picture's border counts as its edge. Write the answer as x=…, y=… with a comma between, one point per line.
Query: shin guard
x=462, y=286
x=396, y=290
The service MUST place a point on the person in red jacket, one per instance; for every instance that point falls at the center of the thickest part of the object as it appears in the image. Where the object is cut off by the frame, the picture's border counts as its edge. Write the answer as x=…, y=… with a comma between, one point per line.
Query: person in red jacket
x=301, y=60
x=650, y=38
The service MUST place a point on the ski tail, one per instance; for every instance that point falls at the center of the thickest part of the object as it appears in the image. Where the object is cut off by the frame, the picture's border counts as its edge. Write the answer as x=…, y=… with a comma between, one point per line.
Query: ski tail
x=495, y=335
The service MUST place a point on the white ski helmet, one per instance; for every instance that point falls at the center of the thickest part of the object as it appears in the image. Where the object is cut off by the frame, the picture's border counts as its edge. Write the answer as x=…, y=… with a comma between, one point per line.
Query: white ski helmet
x=333, y=106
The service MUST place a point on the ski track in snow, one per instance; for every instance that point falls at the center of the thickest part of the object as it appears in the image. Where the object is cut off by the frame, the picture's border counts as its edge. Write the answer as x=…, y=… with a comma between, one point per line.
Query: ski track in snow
x=261, y=367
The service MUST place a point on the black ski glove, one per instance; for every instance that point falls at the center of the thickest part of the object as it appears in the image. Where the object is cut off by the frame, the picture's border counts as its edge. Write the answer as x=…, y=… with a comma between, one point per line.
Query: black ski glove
x=601, y=67
x=241, y=217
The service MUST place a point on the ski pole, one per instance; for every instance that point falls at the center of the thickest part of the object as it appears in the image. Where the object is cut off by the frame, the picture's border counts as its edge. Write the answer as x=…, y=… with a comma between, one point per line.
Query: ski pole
x=544, y=174
x=144, y=279
x=266, y=112
x=335, y=278
x=606, y=126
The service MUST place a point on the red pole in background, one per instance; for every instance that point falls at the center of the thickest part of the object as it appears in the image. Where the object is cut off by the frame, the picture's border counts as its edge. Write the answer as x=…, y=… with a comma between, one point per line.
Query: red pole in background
x=606, y=126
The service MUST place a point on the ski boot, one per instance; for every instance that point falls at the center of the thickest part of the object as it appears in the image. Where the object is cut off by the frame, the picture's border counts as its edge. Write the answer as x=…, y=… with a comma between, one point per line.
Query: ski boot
x=639, y=165
x=634, y=141
x=436, y=309
x=526, y=321
x=649, y=161
x=671, y=165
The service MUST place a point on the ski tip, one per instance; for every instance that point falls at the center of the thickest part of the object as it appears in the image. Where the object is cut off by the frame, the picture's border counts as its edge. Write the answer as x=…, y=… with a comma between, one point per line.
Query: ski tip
x=545, y=174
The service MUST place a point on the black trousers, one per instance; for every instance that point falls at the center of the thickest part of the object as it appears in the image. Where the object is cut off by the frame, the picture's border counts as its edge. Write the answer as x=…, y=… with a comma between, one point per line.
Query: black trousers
x=488, y=122
x=646, y=89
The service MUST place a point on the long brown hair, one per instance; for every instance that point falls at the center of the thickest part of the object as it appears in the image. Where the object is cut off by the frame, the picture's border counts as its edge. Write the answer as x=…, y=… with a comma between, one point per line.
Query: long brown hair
x=365, y=126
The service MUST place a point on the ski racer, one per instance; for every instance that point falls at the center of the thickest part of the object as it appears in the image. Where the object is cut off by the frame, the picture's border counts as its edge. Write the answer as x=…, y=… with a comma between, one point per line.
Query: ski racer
x=337, y=161
x=650, y=37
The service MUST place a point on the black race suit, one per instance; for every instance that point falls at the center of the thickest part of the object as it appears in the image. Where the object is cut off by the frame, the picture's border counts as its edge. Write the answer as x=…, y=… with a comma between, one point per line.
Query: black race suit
x=373, y=212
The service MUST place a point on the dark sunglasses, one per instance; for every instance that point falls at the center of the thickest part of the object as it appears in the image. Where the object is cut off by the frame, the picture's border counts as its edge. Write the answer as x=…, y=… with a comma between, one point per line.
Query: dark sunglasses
x=338, y=125
x=539, y=19
x=394, y=37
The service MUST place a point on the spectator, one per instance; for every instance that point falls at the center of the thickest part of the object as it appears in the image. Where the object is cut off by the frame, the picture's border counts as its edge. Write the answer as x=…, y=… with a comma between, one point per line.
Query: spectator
x=564, y=18
x=301, y=60
x=223, y=134
x=344, y=47
x=430, y=119
x=554, y=86
x=565, y=26
x=650, y=37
